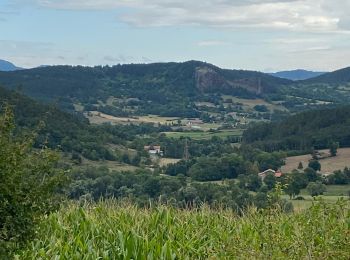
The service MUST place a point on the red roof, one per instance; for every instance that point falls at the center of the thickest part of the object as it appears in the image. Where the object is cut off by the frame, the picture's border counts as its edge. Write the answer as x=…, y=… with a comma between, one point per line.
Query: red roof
x=278, y=174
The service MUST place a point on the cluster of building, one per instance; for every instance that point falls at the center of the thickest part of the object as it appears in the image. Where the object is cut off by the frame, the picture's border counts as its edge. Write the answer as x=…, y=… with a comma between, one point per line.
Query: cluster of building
x=277, y=173
x=153, y=150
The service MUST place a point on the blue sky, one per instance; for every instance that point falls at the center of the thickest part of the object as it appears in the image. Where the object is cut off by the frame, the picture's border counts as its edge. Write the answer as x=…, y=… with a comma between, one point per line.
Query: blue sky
x=265, y=35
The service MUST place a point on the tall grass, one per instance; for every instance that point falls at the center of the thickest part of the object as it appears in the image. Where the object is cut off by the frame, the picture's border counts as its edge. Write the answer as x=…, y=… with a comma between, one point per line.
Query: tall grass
x=115, y=230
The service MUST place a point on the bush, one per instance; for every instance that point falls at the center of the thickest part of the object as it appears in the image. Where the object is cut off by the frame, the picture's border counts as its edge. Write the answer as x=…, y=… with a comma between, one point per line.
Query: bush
x=28, y=184
x=316, y=188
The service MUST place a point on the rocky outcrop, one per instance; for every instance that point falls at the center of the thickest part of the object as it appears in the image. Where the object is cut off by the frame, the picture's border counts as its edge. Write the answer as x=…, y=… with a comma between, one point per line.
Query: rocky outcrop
x=208, y=81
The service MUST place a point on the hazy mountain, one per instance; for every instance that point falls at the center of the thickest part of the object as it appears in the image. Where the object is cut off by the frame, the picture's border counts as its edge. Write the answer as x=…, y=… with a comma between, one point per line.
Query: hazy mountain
x=8, y=66
x=297, y=74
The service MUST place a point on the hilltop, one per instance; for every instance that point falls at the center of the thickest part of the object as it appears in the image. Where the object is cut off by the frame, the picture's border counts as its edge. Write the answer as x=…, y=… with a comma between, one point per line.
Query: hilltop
x=8, y=66
x=341, y=76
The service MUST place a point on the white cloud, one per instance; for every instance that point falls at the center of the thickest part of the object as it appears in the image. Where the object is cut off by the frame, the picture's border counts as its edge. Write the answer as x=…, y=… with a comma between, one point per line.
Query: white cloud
x=312, y=49
x=211, y=43
x=296, y=15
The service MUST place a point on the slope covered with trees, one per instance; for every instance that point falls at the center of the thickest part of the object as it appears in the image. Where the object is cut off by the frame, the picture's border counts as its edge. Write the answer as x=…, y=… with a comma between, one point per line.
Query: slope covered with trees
x=336, y=77
x=314, y=129
x=161, y=88
x=67, y=132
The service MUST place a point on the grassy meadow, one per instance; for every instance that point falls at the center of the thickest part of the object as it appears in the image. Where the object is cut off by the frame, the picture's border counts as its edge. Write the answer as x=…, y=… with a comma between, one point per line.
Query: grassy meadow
x=115, y=230
x=332, y=195
x=205, y=135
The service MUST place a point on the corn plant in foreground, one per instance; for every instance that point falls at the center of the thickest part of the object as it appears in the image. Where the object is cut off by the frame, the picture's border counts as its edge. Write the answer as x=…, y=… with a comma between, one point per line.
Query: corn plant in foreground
x=115, y=230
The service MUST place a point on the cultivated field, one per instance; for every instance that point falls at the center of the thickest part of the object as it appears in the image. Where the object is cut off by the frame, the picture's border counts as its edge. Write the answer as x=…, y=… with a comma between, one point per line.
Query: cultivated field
x=205, y=135
x=328, y=165
x=96, y=117
x=99, y=118
x=114, y=230
x=248, y=104
x=167, y=161
x=111, y=165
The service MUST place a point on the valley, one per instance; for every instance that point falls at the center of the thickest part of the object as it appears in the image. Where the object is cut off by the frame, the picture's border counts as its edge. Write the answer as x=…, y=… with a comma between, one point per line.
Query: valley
x=183, y=135
x=174, y=130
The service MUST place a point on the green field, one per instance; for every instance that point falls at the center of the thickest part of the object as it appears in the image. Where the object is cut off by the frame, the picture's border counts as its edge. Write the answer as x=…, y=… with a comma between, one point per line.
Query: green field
x=115, y=230
x=205, y=135
x=332, y=195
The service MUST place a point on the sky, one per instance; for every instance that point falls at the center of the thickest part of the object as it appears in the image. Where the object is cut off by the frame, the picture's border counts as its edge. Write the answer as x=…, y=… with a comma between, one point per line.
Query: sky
x=263, y=35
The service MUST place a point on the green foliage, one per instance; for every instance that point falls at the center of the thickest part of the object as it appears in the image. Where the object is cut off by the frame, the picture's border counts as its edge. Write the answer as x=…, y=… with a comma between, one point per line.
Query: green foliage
x=316, y=188
x=261, y=108
x=311, y=174
x=315, y=164
x=166, y=89
x=303, y=132
x=212, y=168
x=114, y=230
x=270, y=181
x=294, y=183
x=28, y=183
x=333, y=148
x=71, y=133
x=300, y=166
x=339, y=177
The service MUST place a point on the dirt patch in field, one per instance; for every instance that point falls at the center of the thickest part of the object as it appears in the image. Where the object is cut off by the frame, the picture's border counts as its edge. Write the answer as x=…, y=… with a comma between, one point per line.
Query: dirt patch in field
x=328, y=165
x=167, y=161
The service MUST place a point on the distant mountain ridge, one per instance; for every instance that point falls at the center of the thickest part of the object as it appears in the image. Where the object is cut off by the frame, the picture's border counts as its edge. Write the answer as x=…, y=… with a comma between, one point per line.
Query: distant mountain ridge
x=158, y=87
x=8, y=66
x=340, y=76
x=170, y=89
x=298, y=74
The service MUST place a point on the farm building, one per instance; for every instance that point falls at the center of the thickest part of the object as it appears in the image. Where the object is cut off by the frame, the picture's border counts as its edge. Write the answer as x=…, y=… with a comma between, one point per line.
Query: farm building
x=153, y=150
x=277, y=173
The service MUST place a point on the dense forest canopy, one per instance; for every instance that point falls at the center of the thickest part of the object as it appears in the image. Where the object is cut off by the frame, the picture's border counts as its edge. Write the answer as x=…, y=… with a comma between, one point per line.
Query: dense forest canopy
x=304, y=131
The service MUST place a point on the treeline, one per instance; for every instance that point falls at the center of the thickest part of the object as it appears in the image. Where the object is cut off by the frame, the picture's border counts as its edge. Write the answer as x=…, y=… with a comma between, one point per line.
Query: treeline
x=243, y=161
x=143, y=187
x=314, y=129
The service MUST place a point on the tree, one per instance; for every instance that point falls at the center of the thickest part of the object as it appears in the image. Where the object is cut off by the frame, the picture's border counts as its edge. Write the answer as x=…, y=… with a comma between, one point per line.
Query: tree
x=338, y=178
x=311, y=174
x=292, y=189
x=300, y=166
x=270, y=181
x=253, y=182
x=315, y=164
x=333, y=148
x=29, y=183
x=316, y=188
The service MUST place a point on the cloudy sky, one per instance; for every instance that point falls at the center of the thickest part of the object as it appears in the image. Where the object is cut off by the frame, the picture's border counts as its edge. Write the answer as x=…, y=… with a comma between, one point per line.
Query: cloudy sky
x=265, y=35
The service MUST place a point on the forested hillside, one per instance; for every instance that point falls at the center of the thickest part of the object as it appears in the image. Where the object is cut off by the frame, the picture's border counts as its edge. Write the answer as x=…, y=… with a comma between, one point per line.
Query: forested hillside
x=304, y=131
x=336, y=77
x=161, y=88
x=67, y=132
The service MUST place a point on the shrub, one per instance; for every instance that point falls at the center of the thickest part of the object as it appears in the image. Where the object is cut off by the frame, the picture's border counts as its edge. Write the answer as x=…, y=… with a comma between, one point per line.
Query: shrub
x=28, y=181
